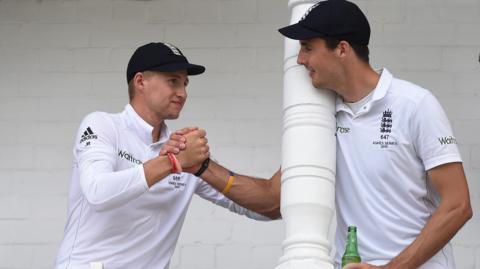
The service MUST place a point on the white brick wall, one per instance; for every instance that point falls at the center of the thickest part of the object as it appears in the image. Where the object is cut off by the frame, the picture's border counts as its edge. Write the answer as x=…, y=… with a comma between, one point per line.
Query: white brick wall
x=61, y=59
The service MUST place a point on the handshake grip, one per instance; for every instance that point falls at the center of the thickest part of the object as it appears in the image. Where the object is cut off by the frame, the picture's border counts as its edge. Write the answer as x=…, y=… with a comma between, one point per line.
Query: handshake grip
x=194, y=152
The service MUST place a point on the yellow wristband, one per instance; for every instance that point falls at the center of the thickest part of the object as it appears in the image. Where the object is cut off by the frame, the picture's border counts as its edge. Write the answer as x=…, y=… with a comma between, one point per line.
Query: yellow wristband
x=229, y=183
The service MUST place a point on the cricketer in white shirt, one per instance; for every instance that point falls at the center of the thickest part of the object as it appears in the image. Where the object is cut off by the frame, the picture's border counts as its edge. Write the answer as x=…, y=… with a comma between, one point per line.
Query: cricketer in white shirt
x=113, y=217
x=385, y=145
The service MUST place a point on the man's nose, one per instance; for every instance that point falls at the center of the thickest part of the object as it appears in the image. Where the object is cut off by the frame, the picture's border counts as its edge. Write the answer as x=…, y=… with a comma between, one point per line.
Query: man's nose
x=182, y=92
x=301, y=59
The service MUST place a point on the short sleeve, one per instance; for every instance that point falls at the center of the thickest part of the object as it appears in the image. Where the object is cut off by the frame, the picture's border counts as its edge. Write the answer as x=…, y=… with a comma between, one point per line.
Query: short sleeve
x=432, y=134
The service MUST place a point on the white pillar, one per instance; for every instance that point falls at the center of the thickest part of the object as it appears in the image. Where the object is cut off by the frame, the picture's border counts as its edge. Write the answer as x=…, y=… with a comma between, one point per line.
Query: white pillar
x=308, y=162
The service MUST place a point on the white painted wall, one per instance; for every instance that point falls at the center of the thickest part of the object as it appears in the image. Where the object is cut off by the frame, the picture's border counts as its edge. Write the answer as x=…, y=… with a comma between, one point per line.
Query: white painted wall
x=60, y=60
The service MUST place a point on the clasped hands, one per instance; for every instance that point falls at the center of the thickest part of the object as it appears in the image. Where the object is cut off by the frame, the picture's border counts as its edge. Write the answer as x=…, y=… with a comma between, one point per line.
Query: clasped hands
x=190, y=146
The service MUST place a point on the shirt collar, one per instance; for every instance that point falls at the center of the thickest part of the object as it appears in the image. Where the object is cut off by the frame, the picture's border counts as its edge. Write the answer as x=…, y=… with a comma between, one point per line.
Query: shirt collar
x=142, y=128
x=378, y=93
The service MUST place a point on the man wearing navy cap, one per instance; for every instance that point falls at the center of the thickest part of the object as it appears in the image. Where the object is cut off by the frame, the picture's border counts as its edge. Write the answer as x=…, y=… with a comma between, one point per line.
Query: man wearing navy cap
x=400, y=178
x=128, y=198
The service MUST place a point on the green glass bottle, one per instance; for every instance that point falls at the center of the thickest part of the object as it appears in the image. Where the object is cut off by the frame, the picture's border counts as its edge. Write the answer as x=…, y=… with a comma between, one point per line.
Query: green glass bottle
x=351, y=249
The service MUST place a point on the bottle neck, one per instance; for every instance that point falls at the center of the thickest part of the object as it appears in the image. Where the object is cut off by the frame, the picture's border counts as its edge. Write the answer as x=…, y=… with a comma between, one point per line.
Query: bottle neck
x=352, y=246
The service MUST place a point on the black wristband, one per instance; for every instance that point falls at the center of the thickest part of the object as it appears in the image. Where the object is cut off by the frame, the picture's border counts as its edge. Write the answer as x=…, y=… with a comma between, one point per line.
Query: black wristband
x=203, y=167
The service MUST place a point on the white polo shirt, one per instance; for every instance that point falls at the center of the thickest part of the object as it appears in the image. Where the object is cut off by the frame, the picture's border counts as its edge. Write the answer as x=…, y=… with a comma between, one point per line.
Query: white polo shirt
x=383, y=153
x=113, y=217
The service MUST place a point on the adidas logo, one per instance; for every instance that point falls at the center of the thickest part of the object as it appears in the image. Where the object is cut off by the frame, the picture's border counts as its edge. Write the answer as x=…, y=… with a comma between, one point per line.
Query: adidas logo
x=87, y=135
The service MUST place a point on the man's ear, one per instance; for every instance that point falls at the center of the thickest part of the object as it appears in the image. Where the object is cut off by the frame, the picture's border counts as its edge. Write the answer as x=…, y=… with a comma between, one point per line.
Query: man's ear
x=343, y=49
x=139, y=82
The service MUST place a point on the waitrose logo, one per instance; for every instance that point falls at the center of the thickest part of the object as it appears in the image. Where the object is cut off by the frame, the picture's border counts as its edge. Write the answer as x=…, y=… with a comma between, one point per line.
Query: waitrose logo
x=128, y=157
x=343, y=130
x=447, y=140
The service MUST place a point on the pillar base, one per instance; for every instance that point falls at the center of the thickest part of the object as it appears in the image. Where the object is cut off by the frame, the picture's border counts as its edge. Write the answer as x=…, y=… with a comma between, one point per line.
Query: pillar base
x=304, y=264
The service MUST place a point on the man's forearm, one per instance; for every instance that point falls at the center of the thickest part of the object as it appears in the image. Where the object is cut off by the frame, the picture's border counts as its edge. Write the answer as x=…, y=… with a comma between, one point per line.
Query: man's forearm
x=438, y=231
x=156, y=169
x=259, y=195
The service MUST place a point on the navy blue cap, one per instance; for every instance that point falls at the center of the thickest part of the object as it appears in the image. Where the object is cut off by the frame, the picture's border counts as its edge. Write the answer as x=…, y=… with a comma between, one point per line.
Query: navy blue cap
x=338, y=19
x=163, y=57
